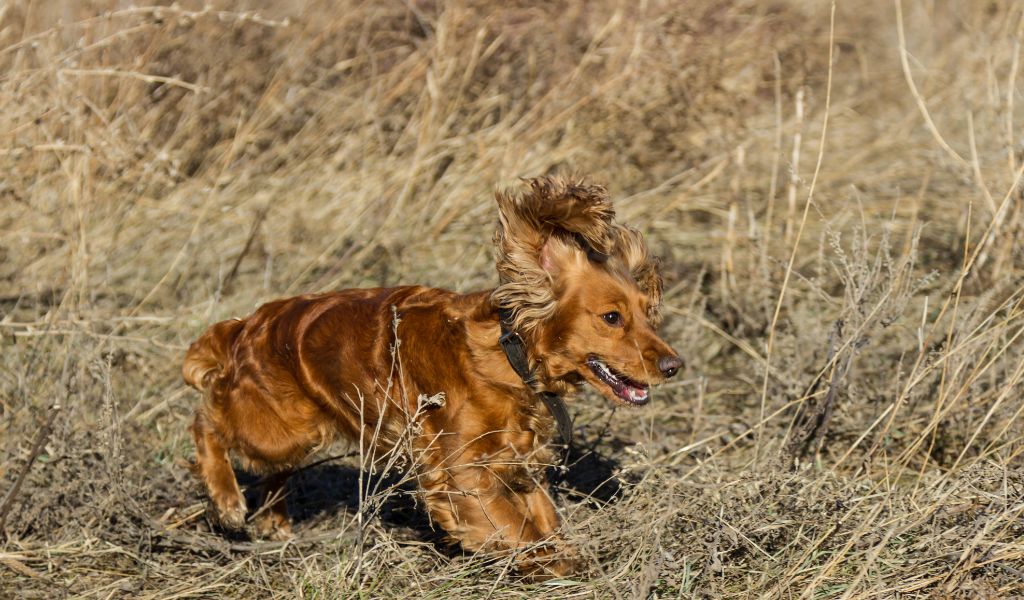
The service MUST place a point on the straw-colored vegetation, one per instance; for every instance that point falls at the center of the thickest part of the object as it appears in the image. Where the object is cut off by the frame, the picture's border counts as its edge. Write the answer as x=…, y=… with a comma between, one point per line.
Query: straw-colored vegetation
x=836, y=207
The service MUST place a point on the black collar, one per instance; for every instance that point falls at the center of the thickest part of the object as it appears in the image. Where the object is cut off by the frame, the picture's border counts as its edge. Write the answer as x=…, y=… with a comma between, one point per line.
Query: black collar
x=515, y=350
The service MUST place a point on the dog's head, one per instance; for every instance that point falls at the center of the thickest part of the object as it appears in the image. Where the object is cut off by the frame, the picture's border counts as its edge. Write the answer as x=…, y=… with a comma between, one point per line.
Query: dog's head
x=582, y=290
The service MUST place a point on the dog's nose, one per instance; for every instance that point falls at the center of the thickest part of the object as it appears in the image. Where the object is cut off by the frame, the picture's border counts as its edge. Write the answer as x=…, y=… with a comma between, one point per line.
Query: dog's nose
x=669, y=365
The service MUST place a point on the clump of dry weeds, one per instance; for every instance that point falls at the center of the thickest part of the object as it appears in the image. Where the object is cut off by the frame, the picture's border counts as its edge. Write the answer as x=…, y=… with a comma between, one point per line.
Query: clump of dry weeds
x=835, y=198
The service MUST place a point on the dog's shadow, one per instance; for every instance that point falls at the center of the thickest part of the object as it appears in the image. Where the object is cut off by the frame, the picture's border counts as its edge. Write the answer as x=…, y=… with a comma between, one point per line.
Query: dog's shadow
x=319, y=494
x=588, y=476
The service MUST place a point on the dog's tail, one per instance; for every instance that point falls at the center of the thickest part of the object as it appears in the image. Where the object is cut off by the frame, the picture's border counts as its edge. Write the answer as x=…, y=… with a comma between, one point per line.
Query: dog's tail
x=207, y=357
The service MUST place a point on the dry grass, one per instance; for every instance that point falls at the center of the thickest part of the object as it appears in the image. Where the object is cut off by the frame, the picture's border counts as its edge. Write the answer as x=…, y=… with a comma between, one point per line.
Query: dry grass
x=849, y=424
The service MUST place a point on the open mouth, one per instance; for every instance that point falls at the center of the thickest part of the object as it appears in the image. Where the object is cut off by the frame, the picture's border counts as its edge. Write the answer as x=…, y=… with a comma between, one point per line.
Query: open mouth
x=623, y=387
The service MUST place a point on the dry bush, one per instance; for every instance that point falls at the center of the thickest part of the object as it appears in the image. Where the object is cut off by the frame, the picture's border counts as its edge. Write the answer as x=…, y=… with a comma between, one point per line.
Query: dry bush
x=849, y=424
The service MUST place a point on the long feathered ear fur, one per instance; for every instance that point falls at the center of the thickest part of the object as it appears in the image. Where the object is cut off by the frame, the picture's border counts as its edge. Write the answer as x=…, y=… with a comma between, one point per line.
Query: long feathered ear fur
x=546, y=208
x=642, y=266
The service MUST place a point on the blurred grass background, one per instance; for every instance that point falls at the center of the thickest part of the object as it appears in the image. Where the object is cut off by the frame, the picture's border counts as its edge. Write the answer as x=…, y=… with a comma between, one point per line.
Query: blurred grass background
x=834, y=196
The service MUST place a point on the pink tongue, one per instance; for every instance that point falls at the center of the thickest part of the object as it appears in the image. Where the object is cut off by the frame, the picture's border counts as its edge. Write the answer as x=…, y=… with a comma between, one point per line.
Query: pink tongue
x=633, y=394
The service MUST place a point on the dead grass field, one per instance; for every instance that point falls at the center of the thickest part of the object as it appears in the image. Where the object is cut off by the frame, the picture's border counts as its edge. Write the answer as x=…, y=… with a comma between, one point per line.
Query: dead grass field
x=837, y=208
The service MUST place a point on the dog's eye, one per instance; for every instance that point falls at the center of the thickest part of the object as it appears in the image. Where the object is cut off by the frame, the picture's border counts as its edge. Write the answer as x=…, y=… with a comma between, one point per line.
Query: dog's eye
x=612, y=318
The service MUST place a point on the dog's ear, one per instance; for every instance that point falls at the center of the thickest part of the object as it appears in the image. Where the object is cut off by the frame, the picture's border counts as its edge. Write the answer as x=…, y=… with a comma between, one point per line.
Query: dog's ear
x=550, y=257
x=557, y=206
x=536, y=226
x=557, y=254
x=645, y=269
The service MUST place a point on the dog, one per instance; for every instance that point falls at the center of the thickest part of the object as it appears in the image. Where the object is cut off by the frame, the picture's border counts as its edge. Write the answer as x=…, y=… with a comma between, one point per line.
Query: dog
x=466, y=385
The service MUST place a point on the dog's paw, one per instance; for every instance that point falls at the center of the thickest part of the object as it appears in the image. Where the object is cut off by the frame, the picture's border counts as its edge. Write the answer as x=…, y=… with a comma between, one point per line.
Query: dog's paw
x=272, y=526
x=564, y=563
x=231, y=513
x=549, y=563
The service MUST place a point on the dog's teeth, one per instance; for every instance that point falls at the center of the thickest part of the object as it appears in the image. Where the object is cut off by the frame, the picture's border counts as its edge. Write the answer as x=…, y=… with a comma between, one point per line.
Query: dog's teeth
x=621, y=386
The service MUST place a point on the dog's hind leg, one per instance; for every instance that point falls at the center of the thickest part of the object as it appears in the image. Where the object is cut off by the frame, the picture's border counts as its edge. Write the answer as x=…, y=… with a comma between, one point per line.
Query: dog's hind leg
x=272, y=522
x=213, y=467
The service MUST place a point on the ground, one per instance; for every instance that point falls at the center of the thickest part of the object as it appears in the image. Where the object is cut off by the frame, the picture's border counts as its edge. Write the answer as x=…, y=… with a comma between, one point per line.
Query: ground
x=832, y=191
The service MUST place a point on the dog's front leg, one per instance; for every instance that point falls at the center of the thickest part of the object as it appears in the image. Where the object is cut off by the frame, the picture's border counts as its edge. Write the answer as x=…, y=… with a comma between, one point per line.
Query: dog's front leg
x=558, y=558
x=541, y=510
x=479, y=509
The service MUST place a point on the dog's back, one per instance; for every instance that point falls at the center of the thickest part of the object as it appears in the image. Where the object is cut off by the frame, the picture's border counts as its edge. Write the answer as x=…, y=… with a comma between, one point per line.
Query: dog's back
x=289, y=377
